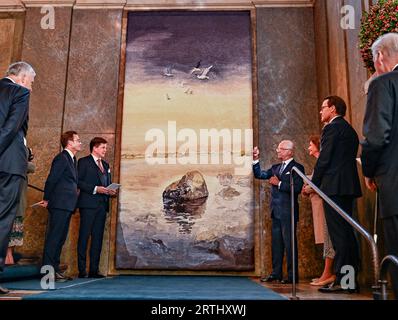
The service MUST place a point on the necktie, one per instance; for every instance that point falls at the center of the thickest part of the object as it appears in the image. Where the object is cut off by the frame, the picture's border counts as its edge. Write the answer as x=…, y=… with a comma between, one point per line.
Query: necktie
x=282, y=168
x=100, y=165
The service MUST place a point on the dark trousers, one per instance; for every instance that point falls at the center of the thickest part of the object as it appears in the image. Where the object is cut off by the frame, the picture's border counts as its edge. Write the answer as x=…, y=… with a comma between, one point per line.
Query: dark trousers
x=10, y=189
x=342, y=236
x=57, y=231
x=281, y=241
x=390, y=226
x=92, y=223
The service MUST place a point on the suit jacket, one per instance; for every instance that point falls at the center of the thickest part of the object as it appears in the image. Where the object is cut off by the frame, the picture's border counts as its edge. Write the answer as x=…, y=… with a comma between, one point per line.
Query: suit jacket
x=60, y=189
x=280, y=197
x=380, y=146
x=335, y=171
x=90, y=176
x=14, y=112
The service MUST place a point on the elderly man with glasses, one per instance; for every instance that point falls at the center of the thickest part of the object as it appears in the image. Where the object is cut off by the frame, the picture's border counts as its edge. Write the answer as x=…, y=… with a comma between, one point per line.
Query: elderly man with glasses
x=279, y=179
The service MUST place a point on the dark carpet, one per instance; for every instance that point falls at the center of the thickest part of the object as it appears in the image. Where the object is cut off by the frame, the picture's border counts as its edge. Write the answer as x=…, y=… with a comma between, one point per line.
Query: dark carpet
x=157, y=288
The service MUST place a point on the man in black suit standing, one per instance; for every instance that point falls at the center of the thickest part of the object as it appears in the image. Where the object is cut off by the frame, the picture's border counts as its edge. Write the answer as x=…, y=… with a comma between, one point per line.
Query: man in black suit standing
x=94, y=175
x=336, y=174
x=60, y=198
x=380, y=146
x=279, y=179
x=14, y=113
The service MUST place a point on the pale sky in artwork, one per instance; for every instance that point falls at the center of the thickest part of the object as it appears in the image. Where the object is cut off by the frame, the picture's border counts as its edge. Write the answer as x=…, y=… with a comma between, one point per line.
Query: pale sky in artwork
x=162, y=50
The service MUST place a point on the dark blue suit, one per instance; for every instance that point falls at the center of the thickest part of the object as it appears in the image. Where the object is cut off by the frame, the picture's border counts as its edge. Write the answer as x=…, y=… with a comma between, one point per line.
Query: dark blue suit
x=336, y=174
x=61, y=193
x=281, y=214
x=93, y=209
x=14, y=112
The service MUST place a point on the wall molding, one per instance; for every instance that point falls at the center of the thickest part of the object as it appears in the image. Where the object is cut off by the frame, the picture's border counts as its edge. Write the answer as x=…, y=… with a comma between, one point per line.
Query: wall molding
x=197, y=4
x=21, y=5
x=54, y=3
x=11, y=6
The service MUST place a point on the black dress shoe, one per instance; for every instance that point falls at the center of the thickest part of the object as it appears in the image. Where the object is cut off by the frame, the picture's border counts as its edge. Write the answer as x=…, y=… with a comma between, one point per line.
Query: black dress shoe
x=288, y=281
x=270, y=278
x=82, y=275
x=95, y=275
x=4, y=290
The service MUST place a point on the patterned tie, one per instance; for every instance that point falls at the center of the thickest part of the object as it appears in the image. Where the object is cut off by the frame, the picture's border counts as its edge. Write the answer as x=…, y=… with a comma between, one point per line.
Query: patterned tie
x=282, y=168
x=100, y=165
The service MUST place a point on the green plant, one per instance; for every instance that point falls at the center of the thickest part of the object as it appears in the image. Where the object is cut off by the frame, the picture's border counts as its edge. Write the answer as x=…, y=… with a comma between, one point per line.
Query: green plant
x=381, y=18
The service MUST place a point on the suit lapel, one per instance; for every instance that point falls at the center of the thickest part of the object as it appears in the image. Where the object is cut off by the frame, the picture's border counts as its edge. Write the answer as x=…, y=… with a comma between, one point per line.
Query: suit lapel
x=97, y=169
x=71, y=164
x=288, y=167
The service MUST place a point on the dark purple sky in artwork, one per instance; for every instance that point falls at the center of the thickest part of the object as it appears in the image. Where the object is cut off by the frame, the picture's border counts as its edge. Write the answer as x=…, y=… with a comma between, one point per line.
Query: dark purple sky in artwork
x=157, y=40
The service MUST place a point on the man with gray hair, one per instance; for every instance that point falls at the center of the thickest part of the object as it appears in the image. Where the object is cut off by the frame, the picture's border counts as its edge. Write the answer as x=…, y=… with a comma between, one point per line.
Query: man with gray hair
x=380, y=146
x=279, y=179
x=14, y=112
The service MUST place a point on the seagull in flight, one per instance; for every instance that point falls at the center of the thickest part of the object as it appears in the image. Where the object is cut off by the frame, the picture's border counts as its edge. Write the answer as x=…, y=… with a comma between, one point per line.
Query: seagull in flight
x=204, y=76
x=197, y=68
x=167, y=72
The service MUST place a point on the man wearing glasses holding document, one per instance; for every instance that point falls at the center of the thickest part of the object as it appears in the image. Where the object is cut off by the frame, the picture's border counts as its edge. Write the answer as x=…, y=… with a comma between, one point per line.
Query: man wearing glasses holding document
x=94, y=177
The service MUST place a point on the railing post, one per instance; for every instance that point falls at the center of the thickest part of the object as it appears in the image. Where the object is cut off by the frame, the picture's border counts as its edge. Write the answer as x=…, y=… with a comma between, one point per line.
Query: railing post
x=387, y=261
x=354, y=224
x=293, y=240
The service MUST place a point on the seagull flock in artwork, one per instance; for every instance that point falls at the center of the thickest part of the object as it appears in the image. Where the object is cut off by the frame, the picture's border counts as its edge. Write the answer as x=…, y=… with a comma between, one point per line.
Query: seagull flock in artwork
x=198, y=72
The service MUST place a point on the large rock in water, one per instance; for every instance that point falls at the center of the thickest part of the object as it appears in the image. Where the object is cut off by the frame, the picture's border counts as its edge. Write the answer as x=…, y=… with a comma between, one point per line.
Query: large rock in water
x=190, y=188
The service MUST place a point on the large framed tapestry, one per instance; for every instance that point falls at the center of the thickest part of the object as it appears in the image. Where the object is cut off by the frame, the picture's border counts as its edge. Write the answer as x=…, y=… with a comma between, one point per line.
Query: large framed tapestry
x=186, y=201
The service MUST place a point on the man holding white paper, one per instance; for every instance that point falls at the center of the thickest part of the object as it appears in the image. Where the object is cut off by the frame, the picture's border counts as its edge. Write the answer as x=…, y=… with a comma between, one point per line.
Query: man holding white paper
x=94, y=177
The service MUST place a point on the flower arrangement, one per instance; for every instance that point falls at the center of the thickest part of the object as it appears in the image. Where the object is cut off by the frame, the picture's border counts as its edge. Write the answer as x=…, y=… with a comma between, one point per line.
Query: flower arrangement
x=381, y=18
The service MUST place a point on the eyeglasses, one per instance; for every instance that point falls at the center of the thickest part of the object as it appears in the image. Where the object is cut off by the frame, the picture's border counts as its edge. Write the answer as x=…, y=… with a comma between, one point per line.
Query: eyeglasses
x=78, y=141
x=277, y=149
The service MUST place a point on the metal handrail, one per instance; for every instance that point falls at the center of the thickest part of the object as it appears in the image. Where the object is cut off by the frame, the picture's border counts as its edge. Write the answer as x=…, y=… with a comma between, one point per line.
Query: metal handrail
x=36, y=188
x=342, y=213
x=385, y=263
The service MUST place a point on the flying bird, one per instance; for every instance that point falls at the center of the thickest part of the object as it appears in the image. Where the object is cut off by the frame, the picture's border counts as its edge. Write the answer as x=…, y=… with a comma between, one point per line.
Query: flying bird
x=167, y=72
x=196, y=69
x=204, y=76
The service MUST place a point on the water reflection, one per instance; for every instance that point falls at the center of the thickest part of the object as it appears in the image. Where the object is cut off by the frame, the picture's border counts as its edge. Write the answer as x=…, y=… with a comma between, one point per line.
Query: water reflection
x=184, y=213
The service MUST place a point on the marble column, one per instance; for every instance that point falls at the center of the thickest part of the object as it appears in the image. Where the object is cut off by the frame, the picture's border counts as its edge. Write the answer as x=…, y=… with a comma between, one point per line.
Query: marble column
x=92, y=92
x=288, y=109
x=47, y=51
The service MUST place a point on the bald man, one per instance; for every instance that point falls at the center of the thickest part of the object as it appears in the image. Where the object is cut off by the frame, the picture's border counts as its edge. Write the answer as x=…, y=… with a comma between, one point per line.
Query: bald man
x=279, y=179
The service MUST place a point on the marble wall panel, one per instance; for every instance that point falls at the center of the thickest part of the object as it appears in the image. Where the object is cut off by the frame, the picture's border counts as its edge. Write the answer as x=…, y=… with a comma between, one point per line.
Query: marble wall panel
x=322, y=52
x=11, y=32
x=6, y=43
x=288, y=109
x=91, y=97
x=47, y=51
x=337, y=53
x=45, y=144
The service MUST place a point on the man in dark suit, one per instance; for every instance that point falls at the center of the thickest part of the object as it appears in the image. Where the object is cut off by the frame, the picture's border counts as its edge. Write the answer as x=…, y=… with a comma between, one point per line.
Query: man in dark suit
x=380, y=146
x=14, y=113
x=94, y=175
x=60, y=198
x=279, y=179
x=336, y=174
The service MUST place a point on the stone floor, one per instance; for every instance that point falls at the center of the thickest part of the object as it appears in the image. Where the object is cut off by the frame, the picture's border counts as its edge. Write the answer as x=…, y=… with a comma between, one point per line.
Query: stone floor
x=304, y=291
